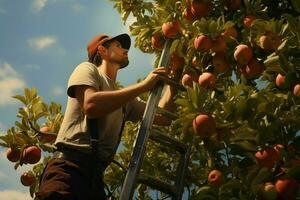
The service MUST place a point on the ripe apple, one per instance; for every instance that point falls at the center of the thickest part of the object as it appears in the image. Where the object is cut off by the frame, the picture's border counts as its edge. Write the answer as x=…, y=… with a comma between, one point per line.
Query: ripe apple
x=296, y=90
x=220, y=63
x=219, y=44
x=254, y=68
x=215, y=177
x=230, y=32
x=287, y=188
x=207, y=80
x=176, y=62
x=280, y=81
x=171, y=29
x=204, y=125
x=13, y=154
x=157, y=41
x=31, y=155
x=267, y=157
x=201, y=8
x=203, y=43
x=268, y=191
x=243, y=54
x=27, y=179
x=248, y=20
x=269, y=41
x=188, y=79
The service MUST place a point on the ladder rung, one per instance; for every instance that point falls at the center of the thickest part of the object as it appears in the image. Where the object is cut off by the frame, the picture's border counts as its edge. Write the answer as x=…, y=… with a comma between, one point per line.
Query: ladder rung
x=157, y=135
x=166, y=113
x=157, y=184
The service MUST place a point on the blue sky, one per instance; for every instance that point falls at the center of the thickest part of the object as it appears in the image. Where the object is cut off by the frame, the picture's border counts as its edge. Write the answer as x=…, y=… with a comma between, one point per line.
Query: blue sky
x=41, y=42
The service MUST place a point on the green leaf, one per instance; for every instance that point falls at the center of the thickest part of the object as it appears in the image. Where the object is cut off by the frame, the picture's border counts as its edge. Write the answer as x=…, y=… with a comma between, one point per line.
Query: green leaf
x=21, y=98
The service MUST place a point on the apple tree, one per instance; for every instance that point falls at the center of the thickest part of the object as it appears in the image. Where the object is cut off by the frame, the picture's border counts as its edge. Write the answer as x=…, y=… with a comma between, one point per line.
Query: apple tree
x=240, y=64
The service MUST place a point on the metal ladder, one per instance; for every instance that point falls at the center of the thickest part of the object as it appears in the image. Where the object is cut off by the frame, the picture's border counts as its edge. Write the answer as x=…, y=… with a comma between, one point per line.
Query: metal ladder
x=133, y=175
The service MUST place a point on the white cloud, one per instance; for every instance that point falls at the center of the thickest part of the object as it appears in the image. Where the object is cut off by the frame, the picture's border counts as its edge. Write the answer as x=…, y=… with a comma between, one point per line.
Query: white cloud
x=10, y=81
x=14, y=195
x=38, y=5
x=40, y=43
x=58, y=91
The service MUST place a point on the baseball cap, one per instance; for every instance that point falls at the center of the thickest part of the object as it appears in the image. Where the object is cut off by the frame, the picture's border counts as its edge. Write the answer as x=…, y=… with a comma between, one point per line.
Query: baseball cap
x=101, y=39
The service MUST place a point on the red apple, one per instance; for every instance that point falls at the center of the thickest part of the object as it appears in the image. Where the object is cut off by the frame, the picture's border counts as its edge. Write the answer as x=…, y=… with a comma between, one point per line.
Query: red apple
x=269, y=41
x=267, y=157
x=203, y=43
x=296, y=90
x=207, y=80
x=13, y=154
x=280, y=81
x=220, y=63
x=243, y=54
x=31, y=155
x=27, y=179
x=157, y=41
x=287, y=188
x=204, y=125
x=171, y=29
x=188, y=79
x=248, y=20
x=215, y=177
x=201, y=8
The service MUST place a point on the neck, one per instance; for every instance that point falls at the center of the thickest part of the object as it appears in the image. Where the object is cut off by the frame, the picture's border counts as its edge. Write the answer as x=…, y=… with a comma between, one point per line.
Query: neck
x=109, y=69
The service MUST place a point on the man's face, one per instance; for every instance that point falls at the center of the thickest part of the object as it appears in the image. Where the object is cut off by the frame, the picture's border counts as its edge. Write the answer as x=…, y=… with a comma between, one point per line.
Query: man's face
x=117, y=54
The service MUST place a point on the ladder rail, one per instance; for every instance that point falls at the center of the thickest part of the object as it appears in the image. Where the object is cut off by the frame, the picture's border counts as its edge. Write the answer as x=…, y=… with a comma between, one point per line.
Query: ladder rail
x=144, y=131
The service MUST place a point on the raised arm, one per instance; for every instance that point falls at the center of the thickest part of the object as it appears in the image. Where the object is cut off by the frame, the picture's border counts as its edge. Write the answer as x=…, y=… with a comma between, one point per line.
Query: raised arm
x=99, y=103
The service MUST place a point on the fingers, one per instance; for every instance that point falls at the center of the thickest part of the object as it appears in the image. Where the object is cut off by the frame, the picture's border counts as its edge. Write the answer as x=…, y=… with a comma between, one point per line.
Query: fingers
x=161, y=70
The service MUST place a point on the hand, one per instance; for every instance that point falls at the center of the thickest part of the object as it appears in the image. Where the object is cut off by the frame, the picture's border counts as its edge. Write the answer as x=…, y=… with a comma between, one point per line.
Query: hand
x=153, y=77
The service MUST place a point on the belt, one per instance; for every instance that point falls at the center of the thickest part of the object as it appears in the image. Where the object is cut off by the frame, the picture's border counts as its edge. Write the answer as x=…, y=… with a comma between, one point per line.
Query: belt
x=78, y=157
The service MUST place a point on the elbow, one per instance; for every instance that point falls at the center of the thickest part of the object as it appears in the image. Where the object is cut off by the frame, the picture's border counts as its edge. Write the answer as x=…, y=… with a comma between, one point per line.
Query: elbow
x=90, y=110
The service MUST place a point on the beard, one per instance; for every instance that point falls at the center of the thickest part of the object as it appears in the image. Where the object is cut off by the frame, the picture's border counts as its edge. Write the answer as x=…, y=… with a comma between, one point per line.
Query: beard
x=124, y=63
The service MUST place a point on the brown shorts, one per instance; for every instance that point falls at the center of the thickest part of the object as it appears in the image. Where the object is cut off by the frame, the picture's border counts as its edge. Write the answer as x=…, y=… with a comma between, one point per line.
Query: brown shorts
x=66, y=180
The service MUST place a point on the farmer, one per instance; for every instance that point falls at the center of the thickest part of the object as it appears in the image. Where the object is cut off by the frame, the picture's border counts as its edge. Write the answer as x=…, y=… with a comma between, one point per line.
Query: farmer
x=77, y=167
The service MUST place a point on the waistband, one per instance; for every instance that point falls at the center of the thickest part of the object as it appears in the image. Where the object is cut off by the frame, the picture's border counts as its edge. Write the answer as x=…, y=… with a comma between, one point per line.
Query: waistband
x=78, y=157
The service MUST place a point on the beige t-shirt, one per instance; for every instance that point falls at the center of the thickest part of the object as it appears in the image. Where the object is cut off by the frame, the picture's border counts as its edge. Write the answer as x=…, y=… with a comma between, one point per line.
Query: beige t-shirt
x=74, y=132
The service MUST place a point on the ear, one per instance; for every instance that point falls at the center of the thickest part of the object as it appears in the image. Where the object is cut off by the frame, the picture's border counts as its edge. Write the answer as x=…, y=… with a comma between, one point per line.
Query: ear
x=102, y=50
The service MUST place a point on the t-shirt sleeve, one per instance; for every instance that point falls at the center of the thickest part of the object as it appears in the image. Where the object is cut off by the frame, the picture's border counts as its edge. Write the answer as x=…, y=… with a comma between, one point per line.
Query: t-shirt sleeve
x=84, y=74
x=135, y=110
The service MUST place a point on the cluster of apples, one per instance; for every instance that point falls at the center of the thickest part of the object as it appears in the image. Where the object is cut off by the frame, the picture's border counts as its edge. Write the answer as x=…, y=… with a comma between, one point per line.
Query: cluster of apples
x=285, y=187
x=30, y=154
x=283, y=83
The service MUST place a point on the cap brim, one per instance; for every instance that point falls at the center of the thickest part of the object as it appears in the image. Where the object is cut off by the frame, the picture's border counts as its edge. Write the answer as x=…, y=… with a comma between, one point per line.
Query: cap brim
x=124, y=39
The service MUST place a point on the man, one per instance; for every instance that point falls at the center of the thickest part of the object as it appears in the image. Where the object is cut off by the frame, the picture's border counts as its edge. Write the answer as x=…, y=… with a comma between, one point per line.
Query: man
x=75, y=172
